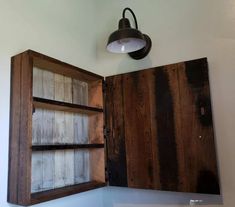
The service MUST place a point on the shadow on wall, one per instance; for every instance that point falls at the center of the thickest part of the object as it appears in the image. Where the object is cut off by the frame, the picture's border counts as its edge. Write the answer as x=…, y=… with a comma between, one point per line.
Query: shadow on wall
x=133, y=65
x=115, y=196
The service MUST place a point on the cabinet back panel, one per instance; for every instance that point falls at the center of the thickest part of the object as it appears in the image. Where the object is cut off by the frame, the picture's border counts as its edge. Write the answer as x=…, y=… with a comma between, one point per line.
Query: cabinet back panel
x=55, y=169
x=54, y=86
x=57, y=127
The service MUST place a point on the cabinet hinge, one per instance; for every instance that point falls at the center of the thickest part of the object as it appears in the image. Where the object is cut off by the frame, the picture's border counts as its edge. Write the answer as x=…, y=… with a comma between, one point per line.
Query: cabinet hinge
x=106, y=132
x=33, y=110
x=106, y=175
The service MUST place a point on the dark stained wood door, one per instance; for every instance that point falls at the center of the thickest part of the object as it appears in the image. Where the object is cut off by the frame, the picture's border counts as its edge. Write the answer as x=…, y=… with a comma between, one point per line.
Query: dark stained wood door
x=160, y=130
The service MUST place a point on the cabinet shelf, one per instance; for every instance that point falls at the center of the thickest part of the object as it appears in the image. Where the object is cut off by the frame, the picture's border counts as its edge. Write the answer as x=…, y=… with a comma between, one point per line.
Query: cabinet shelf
x=65, y=191
x=65, y=146
x=64, y=106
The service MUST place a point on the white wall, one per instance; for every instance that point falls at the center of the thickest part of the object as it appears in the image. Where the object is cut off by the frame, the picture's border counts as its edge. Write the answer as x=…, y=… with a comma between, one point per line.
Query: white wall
x=57, y=28
x=180, y=30
x=76, y=31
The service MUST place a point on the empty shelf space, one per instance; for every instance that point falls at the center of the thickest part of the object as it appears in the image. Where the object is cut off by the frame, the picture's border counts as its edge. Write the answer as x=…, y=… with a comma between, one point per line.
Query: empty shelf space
x=64, y=106
x=65, y=191
x=44, y=147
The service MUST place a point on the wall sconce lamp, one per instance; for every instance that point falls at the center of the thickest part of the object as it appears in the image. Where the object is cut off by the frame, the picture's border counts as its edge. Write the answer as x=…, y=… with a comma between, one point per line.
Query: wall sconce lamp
x=129, y=40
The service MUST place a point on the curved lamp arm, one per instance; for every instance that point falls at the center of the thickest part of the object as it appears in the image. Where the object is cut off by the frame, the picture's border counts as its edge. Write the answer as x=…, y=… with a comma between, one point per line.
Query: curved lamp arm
x=133, y=14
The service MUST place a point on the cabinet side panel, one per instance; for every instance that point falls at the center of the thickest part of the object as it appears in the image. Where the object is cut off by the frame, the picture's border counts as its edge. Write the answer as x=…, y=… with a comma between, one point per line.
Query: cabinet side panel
x=200, y=171
x=24, y=174
x=14, y=129
x=115, y=126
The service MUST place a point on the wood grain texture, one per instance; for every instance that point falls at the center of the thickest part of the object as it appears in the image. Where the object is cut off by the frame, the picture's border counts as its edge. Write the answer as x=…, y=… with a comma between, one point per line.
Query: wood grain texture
x=197, y=129
x=26, y=108
x=48, y=130
x=47, y=123
x=165, y=122
x=20, y=130
x=115, y=137
x=12, y=195
x=81, y=158
x=66, y=191
x=166, y=132
x=69, y=134
x=37, y=136
x=138, y=130
x=62, y=68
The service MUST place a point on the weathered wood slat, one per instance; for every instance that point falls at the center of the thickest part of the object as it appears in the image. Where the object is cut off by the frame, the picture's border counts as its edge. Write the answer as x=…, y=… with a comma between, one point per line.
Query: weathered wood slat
x=81, y=158
x=115, y=127
x=138, y=130
x=37, y=136
x=62, y=68
x=12, y=194
x=65, y=191
x=69, y=134
x=26, y=108
x=59, y=133
x=48, y=129
x=197, y=129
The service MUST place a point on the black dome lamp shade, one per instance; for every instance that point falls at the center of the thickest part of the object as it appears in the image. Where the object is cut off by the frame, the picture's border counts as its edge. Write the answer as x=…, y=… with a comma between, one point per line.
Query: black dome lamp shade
x=129, y=40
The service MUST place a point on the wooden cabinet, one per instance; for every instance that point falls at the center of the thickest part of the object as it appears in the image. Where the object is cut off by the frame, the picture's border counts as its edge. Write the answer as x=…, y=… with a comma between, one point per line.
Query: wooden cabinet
x=56, y=140
x=156, y=123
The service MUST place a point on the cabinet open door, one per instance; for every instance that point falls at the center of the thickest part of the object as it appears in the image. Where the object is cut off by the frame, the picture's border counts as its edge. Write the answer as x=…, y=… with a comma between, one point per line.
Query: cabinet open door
x=154, y=126
x=160, y=129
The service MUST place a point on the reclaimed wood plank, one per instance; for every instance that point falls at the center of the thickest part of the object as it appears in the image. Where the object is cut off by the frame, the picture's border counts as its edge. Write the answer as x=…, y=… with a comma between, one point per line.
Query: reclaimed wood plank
x=62, y=68
x=166, y=93
x=65, y=191
x=26, y=108
x=115, y=126
x=59, y=133
x=48, y=128
x=197, y=129
x=37, y=128
x=81, y=158
x=12, y=194
x=37, y=172
x=69, y=134
x=138, y=135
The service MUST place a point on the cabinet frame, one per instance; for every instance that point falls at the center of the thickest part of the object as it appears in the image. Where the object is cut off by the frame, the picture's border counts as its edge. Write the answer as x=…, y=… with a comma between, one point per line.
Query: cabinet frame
x=22, y=108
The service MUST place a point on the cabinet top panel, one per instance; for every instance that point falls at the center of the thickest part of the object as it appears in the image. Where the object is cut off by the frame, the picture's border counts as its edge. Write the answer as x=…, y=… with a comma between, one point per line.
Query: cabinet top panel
x=56, y=66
